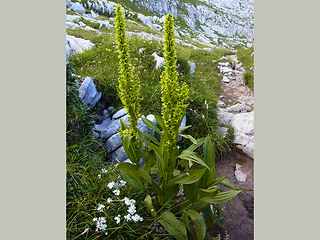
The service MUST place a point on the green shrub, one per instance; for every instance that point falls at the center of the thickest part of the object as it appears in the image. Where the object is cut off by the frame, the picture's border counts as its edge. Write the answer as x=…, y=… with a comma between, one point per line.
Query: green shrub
x=248, y=77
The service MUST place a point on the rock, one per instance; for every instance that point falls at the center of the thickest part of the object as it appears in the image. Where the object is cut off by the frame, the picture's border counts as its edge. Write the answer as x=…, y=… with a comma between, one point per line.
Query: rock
x=72, y=25
x=119, y=154
x=240, y=176
x=225, y=79
x=176, y=34
x=208, y=49
x=239, y=108
x=68, y=48
x=224, y=116
x=113, y=143
x=147, y=20
x=77, y=7
x=221, y=104
x=88, y=92
x=96, y=134
x=225, y=69
x=119, y=114
x=144, y=128
x=249, y=149
x=243, y=122
x=183, y=122
x=113, y=127
x=192, y=67
x=223, y=64
x=111, y=109
x=222, y=131
x=94, y=15
x=160, y=60
x=68, y=3
x=78, y=45
x=104, y=125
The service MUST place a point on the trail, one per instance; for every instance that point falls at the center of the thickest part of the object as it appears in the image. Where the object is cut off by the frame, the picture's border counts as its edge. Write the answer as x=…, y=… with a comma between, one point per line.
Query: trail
x=239, y=223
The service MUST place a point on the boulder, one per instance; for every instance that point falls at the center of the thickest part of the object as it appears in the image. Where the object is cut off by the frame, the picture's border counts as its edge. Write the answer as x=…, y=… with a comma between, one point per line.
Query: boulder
x=104, y=125
x=192, y=66
x=225, y=79
x=223, y=64
x=68, y=3
x=77, y=7
x=119, y=114
x=88, y=92
x=78, y=45
x=240, y=176
x=243, y=122
x=224, y=116
x=113, y=143
x=160, y=60
x=113, y=127
x=119, y=154
x=239, y=108
x=221, y=104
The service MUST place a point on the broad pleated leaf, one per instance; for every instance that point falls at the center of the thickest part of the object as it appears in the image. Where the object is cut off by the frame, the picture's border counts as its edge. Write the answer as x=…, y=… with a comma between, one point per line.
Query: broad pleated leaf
x=151, y=125
x=225, y=196
x=176, y=228
x=187, y=136
x=192, y=176
x=192, y=156
x=199, y=223
x=208, y=195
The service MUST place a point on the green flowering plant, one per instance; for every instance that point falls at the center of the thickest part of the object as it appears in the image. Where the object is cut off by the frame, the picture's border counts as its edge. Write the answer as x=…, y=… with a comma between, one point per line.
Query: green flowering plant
x=167, y=169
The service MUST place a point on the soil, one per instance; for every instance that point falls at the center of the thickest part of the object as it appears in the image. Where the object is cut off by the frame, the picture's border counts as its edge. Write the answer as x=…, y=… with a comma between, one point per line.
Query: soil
x=239, y=223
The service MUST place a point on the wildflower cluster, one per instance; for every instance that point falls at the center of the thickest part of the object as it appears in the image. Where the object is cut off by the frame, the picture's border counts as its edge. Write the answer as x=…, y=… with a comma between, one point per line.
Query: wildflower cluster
x=103, y=170
x=100, y=223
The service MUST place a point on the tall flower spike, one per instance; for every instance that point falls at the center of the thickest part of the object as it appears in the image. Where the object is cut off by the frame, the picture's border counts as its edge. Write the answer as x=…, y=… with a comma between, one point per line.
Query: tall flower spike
x=173, y=97
x=129, y=83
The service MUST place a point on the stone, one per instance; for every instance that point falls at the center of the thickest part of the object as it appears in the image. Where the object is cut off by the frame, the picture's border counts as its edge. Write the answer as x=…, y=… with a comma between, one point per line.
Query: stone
x=208, y=49
x=225, y=79
x=88, y=92
x=249, y=149
x=160, y=60
x=68, y=3
x=119, y=114
x=111, y=109
x=192, y=66
x=113, y=143
x=224, y=116
x=221, y=104
x=104, y=125
x=240, y=176
x=113, y=127
x=119, y=154
x=77, y=7
x=222, y=131
x=93, y=14
x=78, y=45
x=223, y=64
x=242, y=139
x=239, y=108
x=225, y=69
x=243, y=122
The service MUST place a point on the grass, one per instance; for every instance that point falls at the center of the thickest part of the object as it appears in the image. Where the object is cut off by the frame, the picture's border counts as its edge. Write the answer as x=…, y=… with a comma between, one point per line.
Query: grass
x=247, y=58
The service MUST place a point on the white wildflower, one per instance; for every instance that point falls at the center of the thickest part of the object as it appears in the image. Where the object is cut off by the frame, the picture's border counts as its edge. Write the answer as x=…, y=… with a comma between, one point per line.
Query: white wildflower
x=128, y=201
x=127, y=217
x=122, y=183
x=103, y=170
x=100, y=223
x=110, y=185
x=178, y=147
x=100, y=207
x=137, y=218
x=102, y=220
x=102, y=226
x=117, y=219
x=132, y=209
x=94, y=220
x=205, y=102
x=109, y=200
x=116, y=192
x=99, y=176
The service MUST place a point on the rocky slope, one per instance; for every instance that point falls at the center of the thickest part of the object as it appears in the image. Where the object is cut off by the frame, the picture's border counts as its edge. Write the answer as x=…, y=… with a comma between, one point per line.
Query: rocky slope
x=212, y=22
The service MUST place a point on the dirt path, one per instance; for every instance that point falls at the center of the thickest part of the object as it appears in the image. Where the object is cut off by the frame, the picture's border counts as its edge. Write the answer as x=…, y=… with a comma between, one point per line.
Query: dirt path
x=239, y=223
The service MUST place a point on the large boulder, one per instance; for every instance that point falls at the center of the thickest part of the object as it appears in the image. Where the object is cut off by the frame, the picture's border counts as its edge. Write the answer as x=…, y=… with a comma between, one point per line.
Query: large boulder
x=88, y=92
x=113, y=143
x=243, y=122
x=78, y=45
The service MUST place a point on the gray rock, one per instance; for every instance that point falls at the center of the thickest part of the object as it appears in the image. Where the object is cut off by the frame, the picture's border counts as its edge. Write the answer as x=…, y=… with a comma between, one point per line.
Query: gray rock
x=242, y=139
x=119, y=114
x=88, y=92
x=119, y=154
x=239, y=108
x=113, y=143
x=104, y=125
x=77, y=7
x=160, y=60
x=72, y=25
x=224, y=116
x=113, y=127
x=225, y=69
x=192, y=67
x=223, y=64
x=78, y=45
x=111, y=109
x=222, y=131
x=68, y=3
x=94, y=15
x=183, y=122
x=96, y=134
x=243, y=122
x=221, y=104
x=240, y=176
x=225, y=79
x=249, y=149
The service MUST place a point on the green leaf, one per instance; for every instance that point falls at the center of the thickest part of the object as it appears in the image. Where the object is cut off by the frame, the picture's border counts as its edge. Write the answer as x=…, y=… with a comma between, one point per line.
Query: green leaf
x=193, y=147
x=189, y=137
x=209, y=159
x=207, y=195
x=176, y=228
x=130, y=174
x=123, y=125
x=160, y=122
x=151, y=125
x=217, y=181
x=188, y=178
x=226, y=196
x=199, y=223
x=191, y=156
x=208, y=216
x=228, y=184
x=190, y=191
x=151, y=137
x=184, y=128
x=150, y=206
